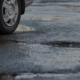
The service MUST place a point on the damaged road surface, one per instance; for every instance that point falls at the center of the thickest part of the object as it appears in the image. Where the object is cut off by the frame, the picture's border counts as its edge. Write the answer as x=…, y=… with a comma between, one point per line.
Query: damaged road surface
x=48, y=47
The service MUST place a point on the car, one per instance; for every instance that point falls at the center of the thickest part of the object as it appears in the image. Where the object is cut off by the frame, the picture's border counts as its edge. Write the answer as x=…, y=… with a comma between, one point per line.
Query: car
x=10, y=13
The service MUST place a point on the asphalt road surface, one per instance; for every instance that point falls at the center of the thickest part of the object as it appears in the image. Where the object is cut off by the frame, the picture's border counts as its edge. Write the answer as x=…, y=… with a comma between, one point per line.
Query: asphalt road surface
x=49, y=50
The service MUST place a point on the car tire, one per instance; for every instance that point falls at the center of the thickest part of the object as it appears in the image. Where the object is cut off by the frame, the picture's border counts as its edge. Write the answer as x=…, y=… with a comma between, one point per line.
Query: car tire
x=10, y=13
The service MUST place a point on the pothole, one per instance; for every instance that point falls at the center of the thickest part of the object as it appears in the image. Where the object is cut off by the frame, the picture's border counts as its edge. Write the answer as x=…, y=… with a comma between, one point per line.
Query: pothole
x=31, y=76
x=62, y=44
x=6, y=77
x=7, y=41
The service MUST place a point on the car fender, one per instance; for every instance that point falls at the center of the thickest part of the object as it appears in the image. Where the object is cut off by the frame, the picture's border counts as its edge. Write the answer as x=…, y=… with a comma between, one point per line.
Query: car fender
x=22, y=6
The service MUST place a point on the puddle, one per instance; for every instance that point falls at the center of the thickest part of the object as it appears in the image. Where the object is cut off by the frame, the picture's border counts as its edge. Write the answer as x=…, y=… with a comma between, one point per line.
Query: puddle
x=31, y=76
x=52, y=43
x=28, y=76
x=24, y=28
x=63, y=44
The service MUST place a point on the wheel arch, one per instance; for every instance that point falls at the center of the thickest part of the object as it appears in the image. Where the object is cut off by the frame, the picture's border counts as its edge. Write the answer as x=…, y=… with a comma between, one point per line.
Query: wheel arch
x=22, y=2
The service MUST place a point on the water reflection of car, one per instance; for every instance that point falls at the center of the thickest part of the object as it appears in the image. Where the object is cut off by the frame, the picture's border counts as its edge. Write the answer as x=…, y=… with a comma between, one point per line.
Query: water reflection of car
x=10, y=13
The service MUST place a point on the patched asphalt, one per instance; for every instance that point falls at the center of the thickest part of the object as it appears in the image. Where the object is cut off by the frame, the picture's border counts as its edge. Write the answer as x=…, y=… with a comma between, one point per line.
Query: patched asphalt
x=48, y=44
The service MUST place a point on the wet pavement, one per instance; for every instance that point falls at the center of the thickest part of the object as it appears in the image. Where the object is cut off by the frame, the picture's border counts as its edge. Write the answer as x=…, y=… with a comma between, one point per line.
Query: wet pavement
x=47, y=47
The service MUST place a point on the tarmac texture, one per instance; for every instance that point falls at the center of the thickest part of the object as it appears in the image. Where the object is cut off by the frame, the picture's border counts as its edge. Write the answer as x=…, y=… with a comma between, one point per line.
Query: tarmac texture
x=47, y=48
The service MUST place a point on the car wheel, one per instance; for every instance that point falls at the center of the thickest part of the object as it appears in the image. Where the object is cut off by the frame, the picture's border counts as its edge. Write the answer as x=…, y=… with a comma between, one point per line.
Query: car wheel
x=10, y=13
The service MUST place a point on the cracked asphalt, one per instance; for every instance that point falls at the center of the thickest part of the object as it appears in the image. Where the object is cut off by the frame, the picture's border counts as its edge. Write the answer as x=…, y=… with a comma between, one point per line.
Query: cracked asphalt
x=49, y=49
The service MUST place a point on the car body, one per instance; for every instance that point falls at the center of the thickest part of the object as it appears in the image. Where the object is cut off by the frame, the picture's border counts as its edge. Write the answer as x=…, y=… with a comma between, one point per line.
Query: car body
x=10, y=13
x=25, y=3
